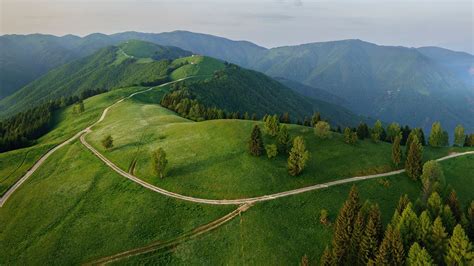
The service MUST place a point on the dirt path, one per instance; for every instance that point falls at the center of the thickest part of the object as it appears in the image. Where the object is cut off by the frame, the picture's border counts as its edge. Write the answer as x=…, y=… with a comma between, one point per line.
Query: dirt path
x=43, y=158
x=159, y=245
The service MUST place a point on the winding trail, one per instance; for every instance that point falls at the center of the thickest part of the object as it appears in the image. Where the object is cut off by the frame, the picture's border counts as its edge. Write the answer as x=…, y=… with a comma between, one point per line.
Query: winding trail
x=83, y=133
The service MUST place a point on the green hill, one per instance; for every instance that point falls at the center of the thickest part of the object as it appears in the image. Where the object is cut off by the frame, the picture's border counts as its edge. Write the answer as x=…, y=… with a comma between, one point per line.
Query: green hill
x=391, y=83
x=106, y=69
x=73, y=196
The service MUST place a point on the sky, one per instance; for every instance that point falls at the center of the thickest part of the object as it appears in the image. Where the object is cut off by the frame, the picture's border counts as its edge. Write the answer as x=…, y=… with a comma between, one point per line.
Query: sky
x=269, y=23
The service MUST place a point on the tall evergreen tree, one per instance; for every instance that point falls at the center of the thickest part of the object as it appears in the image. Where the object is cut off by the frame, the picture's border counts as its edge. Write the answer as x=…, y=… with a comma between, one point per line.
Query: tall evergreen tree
x=377, y=131
x=409, y=227
x=159, y=162
x=453, y=203
x=391, y=250
x=413, y=163
x=436, y=138
x=363, y=131
x=425, y=227
x=405, y=133
x=256, y=142
x=357, y=235
x=396, y=151
x=372, y=236
x=297, y=157
x=402, y=203
x=344, y=226
x=432, y=178
x=434, y=205
x=283, y=140
x=315, y=119
x=326, y=258
x=460, y=250
x=322, y=130
x=393, y=130
x=459, y=136
x=438, y=241
x=448, y=218
x=419, y=256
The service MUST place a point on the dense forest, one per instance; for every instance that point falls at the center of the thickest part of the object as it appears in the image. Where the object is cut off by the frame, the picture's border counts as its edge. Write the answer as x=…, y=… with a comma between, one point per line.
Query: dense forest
x=23, y=128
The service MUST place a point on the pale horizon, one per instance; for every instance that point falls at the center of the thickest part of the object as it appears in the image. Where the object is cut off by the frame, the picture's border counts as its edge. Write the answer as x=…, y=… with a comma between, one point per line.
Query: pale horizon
x=266, y=23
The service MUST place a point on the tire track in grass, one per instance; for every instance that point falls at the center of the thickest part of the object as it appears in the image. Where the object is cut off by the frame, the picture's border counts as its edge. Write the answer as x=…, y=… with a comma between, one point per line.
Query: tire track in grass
x=165, y=245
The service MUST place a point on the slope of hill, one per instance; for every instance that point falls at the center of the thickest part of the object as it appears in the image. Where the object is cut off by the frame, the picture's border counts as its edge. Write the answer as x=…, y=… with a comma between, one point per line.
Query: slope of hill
x=390, y=83
x=108, y=68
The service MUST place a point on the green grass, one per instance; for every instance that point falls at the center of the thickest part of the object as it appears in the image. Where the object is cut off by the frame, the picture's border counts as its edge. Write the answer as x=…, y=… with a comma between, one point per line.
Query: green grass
x=195, y=66
x=210, y=159
x=280, y=232
x=75, y=209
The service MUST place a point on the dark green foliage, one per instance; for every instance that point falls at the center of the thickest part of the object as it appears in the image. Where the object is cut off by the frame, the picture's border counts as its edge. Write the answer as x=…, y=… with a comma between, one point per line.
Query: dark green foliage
x=470, y=220
x=315, y=119
x=413, y=164
x=344, y=226
x=469, y=142
x=285, y=118
x=159, y=162
x=405, y=133
x=363, y=131
x=453, y=203
x=283, y=140
x=460, y=250
x=402, y=203
x=438, y=241
x=432, y=178
x=297, y=157
x=393, y=130
x=350, y=137
x=409, y=227
x=396, y=151
x=256, y=142
x=108, y=142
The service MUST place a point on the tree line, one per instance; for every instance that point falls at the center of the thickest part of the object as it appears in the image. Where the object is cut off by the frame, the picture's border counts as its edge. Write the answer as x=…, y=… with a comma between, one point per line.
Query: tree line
x=434, y=230
x=22, y=129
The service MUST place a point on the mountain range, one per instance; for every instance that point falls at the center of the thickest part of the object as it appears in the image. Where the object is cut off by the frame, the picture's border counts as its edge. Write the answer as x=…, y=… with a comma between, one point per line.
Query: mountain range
x=414, y=86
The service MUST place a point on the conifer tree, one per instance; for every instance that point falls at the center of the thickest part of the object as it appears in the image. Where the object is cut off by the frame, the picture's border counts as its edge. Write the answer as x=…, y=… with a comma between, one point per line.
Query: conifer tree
x=459, y=136
x=344, y=226
x=453, y=203
x=409, y=227
x=285, y=118
x=315, y=119
x=271, y=150
x=326, y=258
x=448, y=219
x=434, y=205
x=362, y=131
x=396, y=151
x=372, y=236
x=283, y=140
x=393, y=130
x=108, y=142
x=413, y=163
x=402, y=203
x=432, y=178
x=256, y=142
x=297, y=157
x=377, y=131
x=425, y=227
x=159, y=162
x=438, y=241
x=357, y=234
x=437, y=137
x=470, y=220
x=419, y=256
x=460, y=250
x=391, y=250
x=322, y=130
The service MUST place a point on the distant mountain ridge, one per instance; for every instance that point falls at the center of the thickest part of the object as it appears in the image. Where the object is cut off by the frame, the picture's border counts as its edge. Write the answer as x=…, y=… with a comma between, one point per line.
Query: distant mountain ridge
x=414, y=86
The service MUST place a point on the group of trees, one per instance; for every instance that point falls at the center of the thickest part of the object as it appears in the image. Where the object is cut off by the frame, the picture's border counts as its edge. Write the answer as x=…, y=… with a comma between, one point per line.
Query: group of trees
x=22, y=129
x=296, y=149
x=434, y=231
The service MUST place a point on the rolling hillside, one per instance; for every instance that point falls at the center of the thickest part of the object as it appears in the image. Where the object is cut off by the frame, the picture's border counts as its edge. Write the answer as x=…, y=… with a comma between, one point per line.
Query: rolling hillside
x=108, y=68
x=390, y=83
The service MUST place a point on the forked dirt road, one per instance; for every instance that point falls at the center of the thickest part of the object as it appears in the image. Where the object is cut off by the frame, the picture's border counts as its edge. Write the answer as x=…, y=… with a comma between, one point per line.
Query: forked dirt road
x=137, y=180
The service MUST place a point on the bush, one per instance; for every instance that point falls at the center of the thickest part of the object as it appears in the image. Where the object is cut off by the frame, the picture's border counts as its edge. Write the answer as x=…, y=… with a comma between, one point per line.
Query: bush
x=272, y=150
x=322, y=130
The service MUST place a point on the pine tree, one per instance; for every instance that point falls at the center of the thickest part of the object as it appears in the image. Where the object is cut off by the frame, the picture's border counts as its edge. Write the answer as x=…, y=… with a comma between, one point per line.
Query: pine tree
x=372, y=236
x=283, y=140
x=362, y=131
x=432, y=178
x=448, y=219
x=256, y=142
x=344, y=226
x=470, y=220
x=271, y=125
x=297, y=157
x=460, y=250
x=391, y=249
x=437, y=137
x=438, y=241
x=409, y=227
x=357, y=234
x=326, y=258
x=419, y=256
x=322, y=130
x=377, y=131
x=159, y=162
x=108, y=142
x=453, y=203
x=402, y=203
x=434, y=204
x=413, y=163
x=315, y=119
x=459, y=136
x=426, y=227
x=393, y=130
x=396, y=151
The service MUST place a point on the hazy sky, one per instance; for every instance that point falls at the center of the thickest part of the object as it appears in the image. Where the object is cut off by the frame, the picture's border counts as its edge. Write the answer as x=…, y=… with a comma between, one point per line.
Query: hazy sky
x=270, y=23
